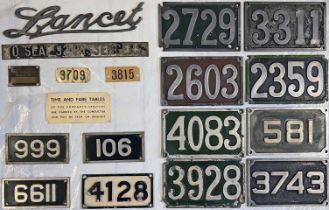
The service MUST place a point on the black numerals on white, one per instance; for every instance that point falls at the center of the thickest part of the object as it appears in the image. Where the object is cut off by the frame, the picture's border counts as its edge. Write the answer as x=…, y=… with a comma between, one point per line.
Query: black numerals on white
x=38, y=149
x=140, y=191
x=288, y=79
x=196, y=87
x=196, y=176
x=287, y=181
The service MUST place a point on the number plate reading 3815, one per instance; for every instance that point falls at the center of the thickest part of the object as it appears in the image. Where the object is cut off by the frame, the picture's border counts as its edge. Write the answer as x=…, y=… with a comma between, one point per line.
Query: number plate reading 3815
x=190, y=26
x=287, y=79
x=287, y=182
x=202, y=133
x=285, y=25
x=201, y=81
x=38, y=192
x=207, y=183
x=117, y=191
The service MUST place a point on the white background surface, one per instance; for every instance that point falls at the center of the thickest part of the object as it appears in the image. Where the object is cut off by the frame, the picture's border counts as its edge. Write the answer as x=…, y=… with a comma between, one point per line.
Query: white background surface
x=135, y=106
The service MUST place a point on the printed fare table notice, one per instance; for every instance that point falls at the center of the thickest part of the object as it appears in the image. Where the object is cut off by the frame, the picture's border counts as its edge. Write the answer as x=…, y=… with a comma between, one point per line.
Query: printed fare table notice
x=77, y=107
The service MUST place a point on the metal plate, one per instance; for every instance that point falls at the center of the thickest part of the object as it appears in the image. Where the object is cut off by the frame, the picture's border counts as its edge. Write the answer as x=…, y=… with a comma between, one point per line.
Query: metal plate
x=37, y=148
x=287, y=79
x=75, y=50
x=122, y=74
x=191, y=133
x=23, y=76
x=36, y=192
x=201, y=81
x=283, y=182
x=111, y=147
x=200, y=26
x=72, y=75
x=203, y=183
x=287, y=131
x=284, y=25
x=117, y=191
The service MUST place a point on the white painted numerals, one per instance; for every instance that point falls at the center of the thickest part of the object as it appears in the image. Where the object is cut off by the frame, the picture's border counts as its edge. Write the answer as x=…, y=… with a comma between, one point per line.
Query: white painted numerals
x=36, y=193
x=196, y=88
x=122, y=147
x=296, y=86
x=295, y=183
x=194, y=188
x=37, y=148
x=296, y=131
x=209, y=133
x=208, y=17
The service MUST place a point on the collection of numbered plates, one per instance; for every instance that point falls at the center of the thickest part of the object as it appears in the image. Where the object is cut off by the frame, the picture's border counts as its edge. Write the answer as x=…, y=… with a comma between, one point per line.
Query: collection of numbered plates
x=204, y=147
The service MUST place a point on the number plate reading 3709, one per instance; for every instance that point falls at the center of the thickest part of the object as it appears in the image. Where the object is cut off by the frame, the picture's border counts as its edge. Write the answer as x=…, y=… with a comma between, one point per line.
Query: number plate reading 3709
x=285, y=25
x=207, y=183
x=117, y=191
x=287, y=182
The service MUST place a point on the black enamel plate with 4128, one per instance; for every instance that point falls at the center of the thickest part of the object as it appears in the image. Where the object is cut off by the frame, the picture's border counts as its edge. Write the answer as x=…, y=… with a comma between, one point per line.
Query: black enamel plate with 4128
x=284, y=25
x=200, y=26
x=286, y=79
x=296, y=182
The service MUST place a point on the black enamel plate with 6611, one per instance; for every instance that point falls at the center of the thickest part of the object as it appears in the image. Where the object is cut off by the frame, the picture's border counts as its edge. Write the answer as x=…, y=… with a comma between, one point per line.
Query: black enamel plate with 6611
x=36, y=192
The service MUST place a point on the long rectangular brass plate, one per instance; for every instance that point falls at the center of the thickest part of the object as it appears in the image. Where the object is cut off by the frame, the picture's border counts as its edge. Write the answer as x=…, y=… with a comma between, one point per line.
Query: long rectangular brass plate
x=75, y=50
x=78, y=107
